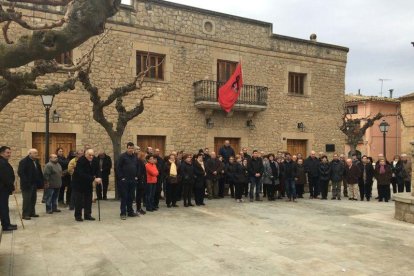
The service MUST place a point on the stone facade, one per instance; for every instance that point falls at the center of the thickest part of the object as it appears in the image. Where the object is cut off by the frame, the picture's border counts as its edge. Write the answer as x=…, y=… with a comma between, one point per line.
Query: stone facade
x=193, y=40
x=407, y=111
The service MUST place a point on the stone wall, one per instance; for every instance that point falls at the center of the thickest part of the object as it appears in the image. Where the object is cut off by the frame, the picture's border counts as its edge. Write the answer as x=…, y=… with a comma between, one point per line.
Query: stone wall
x=404, y=207
x=407, y=130
x=191, y=55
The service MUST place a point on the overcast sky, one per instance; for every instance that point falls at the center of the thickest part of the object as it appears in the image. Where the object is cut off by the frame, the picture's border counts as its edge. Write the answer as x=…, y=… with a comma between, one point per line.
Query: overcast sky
x=378, y=33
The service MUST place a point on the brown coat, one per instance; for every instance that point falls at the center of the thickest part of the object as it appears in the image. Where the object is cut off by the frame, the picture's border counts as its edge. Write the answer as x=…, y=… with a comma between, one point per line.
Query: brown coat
x=385, y=178
x=408, y=170
x=352, y=174
x=301, y=175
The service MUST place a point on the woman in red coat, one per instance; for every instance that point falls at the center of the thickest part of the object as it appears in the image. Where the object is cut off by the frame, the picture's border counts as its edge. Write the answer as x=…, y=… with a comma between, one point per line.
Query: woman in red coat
x=152, y=175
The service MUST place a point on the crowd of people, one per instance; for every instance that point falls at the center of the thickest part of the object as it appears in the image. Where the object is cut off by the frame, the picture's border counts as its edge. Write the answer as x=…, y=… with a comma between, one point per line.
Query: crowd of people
x=147, y=178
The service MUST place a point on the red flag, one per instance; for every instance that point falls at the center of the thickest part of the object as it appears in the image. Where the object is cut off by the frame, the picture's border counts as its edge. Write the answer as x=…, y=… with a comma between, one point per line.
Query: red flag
x=230, y=91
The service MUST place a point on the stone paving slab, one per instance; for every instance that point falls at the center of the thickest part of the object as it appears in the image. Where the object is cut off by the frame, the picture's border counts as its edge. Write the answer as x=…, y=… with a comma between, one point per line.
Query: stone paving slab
x=311, y=237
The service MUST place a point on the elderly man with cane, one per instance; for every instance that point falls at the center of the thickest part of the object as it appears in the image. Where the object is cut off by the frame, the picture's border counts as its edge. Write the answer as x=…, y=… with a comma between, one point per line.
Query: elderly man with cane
x=85, y=176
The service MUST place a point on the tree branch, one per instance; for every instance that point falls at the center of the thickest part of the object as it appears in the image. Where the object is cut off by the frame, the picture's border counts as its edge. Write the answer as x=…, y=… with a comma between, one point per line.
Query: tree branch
x=84, y=19
x=134, y=85
x=43, y=2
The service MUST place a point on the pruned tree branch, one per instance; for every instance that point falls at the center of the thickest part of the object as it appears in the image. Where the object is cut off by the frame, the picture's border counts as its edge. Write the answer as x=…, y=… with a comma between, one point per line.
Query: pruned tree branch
x=136, y=84
x=43, y=2
x=83, y=19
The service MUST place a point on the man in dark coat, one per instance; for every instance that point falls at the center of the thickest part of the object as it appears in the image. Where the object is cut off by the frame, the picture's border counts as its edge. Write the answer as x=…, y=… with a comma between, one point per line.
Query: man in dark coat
x=214, y=167
x=256, y=169
x=312, y=170
x=366, y=178
x=31, y=177
x=127, y=172
x=86, y=173
x=105, y=166
x=246, y=155
x=226, y=151
x=6, y=188
x=337, y=175
x=64, y=162
x=291, y=174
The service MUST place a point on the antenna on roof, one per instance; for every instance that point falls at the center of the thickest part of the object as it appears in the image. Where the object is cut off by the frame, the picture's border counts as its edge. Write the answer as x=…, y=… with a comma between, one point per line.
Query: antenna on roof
x=382, y=83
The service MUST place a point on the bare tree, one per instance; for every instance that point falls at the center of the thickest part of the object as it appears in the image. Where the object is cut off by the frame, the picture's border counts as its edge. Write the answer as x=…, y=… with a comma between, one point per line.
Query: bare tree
x=82, y=20
x=355, y=128
x=116, y=131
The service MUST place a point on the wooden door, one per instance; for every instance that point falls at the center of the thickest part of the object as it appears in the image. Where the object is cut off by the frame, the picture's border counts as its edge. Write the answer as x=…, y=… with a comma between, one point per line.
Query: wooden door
x=234, y=142
x=156, y=142
x=297, y=146
x=67, y=141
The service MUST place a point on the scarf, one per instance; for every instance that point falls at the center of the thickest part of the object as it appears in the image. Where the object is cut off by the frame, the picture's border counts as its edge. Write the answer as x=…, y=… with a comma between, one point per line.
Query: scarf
x=382, y=169
x=173, y=169
x=202, y=165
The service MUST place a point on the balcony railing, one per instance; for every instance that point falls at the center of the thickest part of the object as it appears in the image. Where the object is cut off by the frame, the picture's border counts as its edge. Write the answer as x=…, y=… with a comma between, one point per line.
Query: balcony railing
x=252, y=98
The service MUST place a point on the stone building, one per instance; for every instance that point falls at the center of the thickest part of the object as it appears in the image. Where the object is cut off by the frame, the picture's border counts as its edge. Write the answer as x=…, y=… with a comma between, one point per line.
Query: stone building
x=359, y=106
x=293, y=87
x=407, y=111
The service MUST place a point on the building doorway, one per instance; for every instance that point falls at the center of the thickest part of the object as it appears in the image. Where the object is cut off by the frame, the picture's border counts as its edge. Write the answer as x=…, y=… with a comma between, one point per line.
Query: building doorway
x=219, y=142
x=155, y=142
x=297, y=146
x=67, y=141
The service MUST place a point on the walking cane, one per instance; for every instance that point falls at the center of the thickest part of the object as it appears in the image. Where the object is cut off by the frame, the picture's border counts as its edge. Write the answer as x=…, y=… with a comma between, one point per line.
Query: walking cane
x=18, y=210
x=99, y=207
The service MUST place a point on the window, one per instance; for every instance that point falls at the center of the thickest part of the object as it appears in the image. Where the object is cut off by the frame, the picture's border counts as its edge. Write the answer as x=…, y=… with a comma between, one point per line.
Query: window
x=65, y=58
x=224, y=70
x=155, y=60
x=352, y=109
x=297, y=83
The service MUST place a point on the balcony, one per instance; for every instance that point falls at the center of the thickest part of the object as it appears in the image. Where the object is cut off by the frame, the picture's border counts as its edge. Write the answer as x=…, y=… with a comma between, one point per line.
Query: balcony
x=252, y=98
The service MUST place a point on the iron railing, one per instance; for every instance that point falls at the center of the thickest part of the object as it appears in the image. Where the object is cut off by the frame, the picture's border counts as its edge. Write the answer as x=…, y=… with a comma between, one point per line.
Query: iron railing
x=207, y=90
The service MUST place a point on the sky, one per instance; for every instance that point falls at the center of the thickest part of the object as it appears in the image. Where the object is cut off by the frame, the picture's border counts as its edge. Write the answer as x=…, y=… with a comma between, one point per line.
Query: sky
x=377, y=32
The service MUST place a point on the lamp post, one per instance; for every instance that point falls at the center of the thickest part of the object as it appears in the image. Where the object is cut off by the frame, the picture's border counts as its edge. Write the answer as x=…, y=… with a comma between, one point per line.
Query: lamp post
x=384, y=126
x=47, y=101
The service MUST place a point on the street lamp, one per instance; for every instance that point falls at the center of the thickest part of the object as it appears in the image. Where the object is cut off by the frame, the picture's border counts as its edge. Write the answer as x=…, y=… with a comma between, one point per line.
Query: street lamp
x=47, y=101
x=384, y=126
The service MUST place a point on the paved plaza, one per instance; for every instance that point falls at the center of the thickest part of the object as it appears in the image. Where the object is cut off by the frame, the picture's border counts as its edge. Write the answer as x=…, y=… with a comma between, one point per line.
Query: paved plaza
x=311, y=237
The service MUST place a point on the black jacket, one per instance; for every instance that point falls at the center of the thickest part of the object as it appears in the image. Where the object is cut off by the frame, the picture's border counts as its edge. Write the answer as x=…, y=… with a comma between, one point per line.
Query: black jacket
x=85, y=173
x=6, y=176
x=312, y=166
x=254, y=166
x=106, y=165
x=127, y=167
x=235, y=173
x=200, y=175
x=337, y=170
x=275, y=169
x=187, y=173
x=30, y=175
x=213, y=165
x=161, y=168
x=290, y=170
x=324, y=171
x=369, y=171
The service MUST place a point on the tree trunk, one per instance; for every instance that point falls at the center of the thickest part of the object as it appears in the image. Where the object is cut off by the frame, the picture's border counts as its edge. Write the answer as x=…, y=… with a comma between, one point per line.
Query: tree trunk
x=116, y=145
x=353, y=149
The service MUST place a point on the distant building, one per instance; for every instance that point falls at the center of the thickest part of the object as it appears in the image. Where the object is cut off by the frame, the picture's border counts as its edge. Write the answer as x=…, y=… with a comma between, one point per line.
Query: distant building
x=359, y=106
